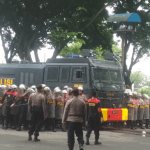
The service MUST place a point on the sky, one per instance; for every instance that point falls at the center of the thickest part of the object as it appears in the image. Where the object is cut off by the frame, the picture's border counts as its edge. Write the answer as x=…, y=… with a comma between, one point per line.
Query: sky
x=47, y=52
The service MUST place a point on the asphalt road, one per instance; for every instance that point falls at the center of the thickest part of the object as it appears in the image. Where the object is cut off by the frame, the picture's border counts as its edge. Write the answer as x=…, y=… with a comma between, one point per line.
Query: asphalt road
x=14, y=140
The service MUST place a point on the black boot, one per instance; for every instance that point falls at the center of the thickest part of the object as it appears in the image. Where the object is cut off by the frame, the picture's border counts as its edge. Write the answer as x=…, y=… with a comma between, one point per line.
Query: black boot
x=81, y=147
x=97, y=142
x=13, y=127
x=87, y=141
x=19, y=129
x=36, y=139
x=63, y=130
x=54, y=130
x=29, y=138
x=147, y=124
x=131, y=123
x=141, y=124
x=70, y=147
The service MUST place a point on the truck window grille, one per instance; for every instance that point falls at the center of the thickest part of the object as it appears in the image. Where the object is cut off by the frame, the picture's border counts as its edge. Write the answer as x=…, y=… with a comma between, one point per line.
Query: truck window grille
x=52, y=73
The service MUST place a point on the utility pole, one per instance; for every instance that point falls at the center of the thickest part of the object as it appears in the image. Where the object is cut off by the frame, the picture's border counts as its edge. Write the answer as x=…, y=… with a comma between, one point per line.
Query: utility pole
x=123, y=36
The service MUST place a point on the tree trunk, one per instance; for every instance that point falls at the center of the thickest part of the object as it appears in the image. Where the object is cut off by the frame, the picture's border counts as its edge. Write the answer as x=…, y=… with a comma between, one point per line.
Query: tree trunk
x=36, y=56
x=56, y=53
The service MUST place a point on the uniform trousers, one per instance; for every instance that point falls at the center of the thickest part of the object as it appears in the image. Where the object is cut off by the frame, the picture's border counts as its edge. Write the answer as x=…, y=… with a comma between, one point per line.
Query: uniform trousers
x=36, y=120
x=93, y=124
x=77, y=128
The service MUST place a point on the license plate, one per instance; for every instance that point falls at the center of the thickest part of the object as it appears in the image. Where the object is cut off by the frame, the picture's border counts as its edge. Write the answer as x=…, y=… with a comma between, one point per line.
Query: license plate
x=110, y=94
x=115, y=112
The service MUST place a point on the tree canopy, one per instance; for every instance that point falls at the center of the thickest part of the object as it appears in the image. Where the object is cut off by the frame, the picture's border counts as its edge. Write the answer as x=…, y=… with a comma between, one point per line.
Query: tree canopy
x=27, y=25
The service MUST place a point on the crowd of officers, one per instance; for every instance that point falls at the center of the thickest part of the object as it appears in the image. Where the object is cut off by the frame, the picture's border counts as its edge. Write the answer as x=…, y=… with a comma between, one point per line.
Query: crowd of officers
x=39, y=105
x=138, y=109
x=38, y=108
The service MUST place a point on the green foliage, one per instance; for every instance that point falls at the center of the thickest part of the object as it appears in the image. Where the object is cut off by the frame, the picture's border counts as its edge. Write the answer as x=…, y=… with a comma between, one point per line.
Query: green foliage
x=101, y=53
x=140, y=80
x=144, y=90
x=75, y=48
x=140, y=39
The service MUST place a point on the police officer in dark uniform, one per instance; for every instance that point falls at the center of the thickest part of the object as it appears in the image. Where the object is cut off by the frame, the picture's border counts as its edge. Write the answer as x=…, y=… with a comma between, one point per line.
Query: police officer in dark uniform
x=23, y=101
x=37, y=107
x=2, y=92
x=6, y=102
x=94, y=115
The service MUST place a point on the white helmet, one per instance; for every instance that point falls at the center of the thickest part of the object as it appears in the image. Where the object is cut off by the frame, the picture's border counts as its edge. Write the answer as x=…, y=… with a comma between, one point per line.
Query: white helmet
x=33, y=87
x=47, y=89
x=69, y=89
x=65, y=87
x=43, y=85
x=3, y=86
x=57, y=90
x=64, y=92
x=14, y=86
x=29, y=90
x=80, y=88
x=22, y=86
x=127, y=91
x=130, y=93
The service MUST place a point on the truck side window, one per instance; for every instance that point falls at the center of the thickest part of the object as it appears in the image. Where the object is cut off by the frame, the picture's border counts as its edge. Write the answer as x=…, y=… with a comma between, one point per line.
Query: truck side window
x=79, y=74
x=52, y=74
x=65, y=74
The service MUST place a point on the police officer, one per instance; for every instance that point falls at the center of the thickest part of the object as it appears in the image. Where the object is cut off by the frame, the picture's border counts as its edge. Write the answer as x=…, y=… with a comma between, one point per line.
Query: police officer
x=130, y=107
x=59, y=107
x=6, y=102
x=70, y=95
x=64, y=96
x=66, y=87
x=140, y=110
x=34, y=88
x=23, y=101
x=15, y=110
x=135, y=102
x=94, y=115
x=146, y=110
x=37, y=107
x=81, y=95
x=50, y=105
x=2, y=92
x=74, y=114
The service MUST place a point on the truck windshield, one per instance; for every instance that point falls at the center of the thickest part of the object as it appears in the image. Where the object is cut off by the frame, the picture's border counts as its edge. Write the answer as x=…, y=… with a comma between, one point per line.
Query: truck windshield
x=108, y=80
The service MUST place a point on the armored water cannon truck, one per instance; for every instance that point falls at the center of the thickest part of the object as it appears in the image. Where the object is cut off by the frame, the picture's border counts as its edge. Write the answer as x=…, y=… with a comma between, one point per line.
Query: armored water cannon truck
x=105, y=76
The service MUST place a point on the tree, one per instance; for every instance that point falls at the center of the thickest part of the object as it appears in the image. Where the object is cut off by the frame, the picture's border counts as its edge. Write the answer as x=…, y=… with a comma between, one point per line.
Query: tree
x=145, y=90
x=100, y=53
x=140, y=80
x=140, y=39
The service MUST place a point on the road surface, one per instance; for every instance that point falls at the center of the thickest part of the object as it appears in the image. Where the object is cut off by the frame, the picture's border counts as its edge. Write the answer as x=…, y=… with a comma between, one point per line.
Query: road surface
x=14, y=140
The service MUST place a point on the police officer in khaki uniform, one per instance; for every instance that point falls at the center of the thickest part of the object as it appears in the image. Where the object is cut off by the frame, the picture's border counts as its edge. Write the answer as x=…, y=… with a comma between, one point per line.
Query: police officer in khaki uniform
x=59, y=108
x=130, y=107
x=50, y=105
x=37, y=107
x=146, y=110
x=140, y=110
x=135, y=102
